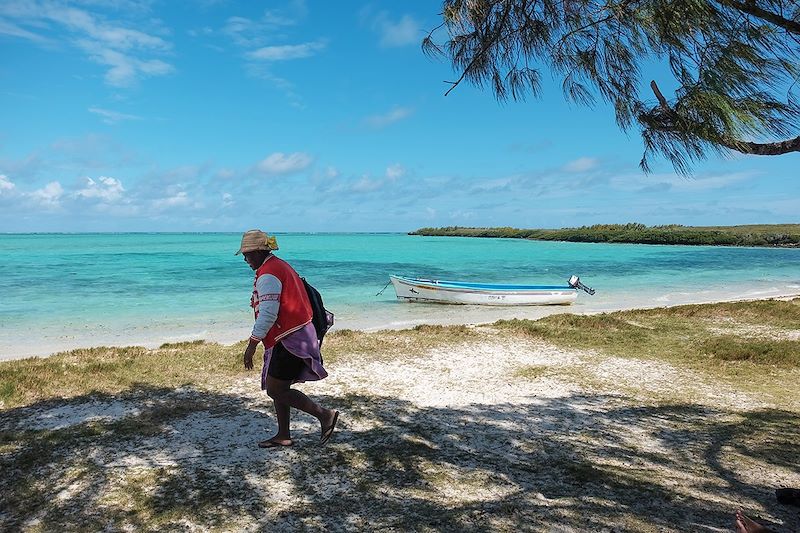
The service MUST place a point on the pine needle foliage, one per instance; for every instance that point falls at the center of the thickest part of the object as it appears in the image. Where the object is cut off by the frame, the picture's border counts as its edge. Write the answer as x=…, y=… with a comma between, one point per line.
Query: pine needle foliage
x=734, y=65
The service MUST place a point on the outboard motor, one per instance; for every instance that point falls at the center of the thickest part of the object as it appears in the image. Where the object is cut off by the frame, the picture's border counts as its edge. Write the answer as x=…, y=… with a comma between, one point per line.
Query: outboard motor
x=575, y=281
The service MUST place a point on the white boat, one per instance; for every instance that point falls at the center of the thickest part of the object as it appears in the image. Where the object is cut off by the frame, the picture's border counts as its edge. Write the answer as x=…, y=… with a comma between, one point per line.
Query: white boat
x=459, y=292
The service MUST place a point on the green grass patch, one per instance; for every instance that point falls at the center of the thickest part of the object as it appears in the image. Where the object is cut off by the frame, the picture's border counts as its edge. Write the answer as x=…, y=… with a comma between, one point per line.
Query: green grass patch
x=590, y=331
x=7, y=389
x=775, y=313
x=180, y=345
x=677, y=334
x=689, y=336
x=531, y=372
x=111, y=370
x=197, y=363
x=393, y=344
x=773, y=352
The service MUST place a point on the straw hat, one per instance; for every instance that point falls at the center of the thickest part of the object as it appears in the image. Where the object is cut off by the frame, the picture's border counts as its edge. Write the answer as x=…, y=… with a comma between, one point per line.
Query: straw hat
x=255, y=239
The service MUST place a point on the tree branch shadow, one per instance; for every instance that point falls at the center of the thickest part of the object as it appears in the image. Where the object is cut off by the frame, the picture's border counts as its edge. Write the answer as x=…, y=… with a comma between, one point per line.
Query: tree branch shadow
x=178, y=458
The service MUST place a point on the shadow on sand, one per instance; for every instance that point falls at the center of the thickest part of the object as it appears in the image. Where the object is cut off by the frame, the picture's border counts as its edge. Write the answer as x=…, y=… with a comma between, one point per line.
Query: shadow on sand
x=174, y=459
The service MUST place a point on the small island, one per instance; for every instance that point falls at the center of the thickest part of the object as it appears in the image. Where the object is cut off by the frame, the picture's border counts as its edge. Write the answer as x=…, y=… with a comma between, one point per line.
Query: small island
x=777, y=235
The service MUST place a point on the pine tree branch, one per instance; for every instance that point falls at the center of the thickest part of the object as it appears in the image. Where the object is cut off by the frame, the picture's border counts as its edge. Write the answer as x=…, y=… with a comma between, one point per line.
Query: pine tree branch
x=773, y=148
x=661, y=100
x=750, y=7
x=744, y=147
x=497, y=35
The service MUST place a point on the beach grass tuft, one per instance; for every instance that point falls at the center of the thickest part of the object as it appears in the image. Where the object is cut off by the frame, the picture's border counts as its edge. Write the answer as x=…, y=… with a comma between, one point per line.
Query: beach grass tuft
x=777, y=313
x=760, y=351
x=106, y=369
x=393, y=344
x=752, y=346
x=179, y=345
x=114, y=369
x=531, y=372
x=683, y=334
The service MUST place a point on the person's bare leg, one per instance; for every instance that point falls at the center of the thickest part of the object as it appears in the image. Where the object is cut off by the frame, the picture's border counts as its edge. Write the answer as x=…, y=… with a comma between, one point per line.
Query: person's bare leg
x=746, y=525
x=281, y=393
x=282, y=414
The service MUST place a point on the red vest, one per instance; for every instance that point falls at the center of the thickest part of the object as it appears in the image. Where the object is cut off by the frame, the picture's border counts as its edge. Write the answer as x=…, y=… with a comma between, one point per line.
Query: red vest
x=295, y=309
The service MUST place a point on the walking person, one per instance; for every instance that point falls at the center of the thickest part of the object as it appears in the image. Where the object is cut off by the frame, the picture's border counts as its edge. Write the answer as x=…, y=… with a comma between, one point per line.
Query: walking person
x=283, y=324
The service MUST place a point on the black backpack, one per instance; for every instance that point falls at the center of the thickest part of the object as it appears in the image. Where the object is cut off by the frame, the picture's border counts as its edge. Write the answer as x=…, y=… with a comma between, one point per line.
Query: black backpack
x=321, y=317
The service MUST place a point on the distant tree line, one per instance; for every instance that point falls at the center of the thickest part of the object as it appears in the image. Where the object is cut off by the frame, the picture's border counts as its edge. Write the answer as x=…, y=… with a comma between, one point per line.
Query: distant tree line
x=784, y=235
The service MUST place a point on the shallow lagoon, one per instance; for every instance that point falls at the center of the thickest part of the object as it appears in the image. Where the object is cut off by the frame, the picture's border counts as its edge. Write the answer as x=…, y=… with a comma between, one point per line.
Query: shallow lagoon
x=60, y=291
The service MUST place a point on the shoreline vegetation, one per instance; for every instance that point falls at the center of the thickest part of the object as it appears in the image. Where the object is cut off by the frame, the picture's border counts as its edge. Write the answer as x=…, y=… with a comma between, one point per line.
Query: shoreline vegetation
x=662, y=419
x=75, y=372
x=770, y=235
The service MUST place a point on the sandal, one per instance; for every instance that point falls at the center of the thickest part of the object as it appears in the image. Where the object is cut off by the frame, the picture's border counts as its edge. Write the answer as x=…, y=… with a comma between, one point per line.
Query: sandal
x=328, y=431
x=272, y=443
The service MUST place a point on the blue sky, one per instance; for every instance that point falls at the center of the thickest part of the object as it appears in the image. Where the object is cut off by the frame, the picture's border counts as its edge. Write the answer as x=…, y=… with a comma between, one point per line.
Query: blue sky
x=313, y=116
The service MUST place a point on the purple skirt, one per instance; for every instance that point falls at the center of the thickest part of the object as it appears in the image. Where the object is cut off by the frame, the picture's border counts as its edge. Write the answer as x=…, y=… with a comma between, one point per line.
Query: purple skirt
x=302, y=343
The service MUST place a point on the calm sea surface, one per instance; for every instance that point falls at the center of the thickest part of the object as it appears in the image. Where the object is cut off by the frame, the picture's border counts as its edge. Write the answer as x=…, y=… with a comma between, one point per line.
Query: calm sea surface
x=64, y=291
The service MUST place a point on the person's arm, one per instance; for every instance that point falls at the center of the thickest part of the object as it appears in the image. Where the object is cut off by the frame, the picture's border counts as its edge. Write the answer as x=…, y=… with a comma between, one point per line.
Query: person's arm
x=268, y=288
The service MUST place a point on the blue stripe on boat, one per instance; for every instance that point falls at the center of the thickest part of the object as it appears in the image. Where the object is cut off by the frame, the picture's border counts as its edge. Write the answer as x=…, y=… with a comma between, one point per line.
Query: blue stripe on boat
x=484, y=286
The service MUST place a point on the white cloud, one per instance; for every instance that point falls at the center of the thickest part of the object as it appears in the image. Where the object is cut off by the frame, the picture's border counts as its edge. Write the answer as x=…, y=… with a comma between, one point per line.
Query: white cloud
x=112, y=117
x=326, y=179
x=226, y=174
x=178, y=199
x=237, y=27
x=125, y=70
x=250, y=33
x=49, y=195
x=112, y=35
x=107, y=43
x=461, y=214
x=105, y=189
x=703, y=183
x=390, y=117
x=6, y=185
x=122, y=38
x=393, y=32
x=278, y=163
x=492, y=185
x=365, y=184
x=287, y=52
x=288, y=16
x=6, y=28
x=227, y=200
x=395, y=171
x=674, y=182
x=258, y=37
x=404, y=31
x=204, y=31
x=581, y=164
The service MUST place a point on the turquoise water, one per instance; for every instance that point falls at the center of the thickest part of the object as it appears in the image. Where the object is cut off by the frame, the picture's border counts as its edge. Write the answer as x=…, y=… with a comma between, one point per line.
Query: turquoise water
x=62, y=291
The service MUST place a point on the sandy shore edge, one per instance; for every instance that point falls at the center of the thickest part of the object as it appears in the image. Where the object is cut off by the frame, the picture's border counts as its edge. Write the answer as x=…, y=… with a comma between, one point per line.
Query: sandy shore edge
x=452, y=316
